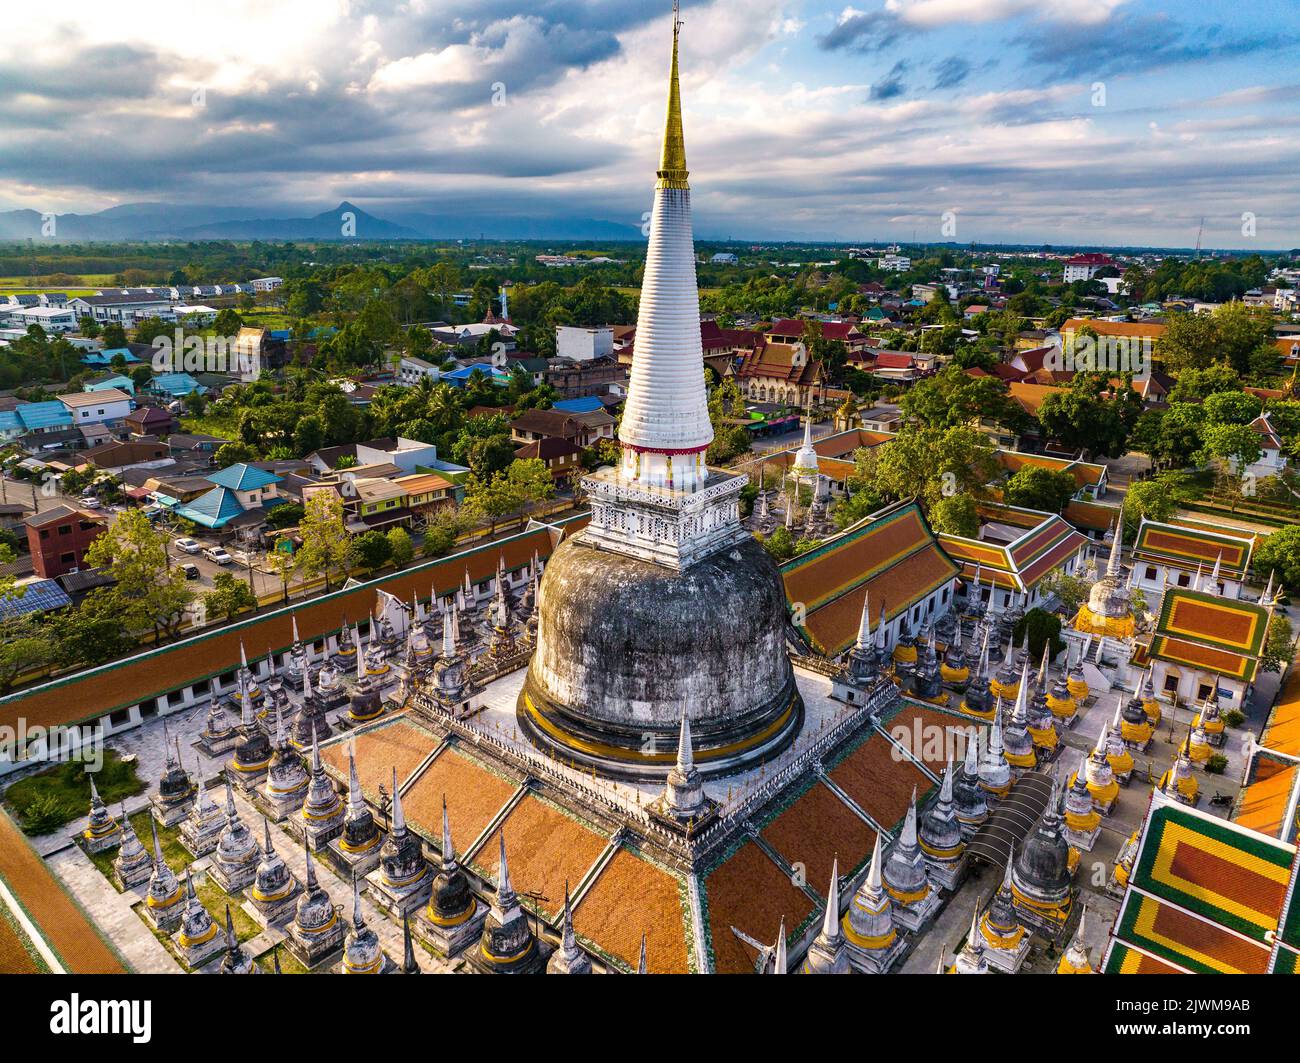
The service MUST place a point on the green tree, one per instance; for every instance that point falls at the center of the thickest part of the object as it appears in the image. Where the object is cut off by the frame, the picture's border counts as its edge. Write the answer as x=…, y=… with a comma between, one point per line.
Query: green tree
x=1039, y=627
x=929, y=464
x=147, y=593
x=1279, y=553
x=780, y=544
x=1092, y=415
x=1279, y=644
x=1037, y=487
x=234, y=454
x=372, y=550
x=25, y=646
x=400, y=548
x=1156, y=499
x=1171, y=437
x=229, y=596
x=326, y=545
x=956, y=515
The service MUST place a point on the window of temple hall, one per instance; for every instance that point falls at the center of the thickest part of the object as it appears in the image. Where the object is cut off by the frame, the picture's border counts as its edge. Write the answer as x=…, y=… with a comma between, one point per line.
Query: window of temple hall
x=1171, y=684
x=1184, y=579
x=226, y=679
x=200, y=688
x=1151, y=572
x=1203, y=691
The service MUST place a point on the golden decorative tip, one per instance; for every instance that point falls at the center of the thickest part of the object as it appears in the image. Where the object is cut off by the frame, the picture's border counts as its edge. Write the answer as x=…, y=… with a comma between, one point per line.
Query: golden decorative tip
x=672, y=164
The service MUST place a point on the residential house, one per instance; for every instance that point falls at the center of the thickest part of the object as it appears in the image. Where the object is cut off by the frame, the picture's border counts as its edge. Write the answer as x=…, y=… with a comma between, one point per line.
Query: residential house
x=562, y=457
x=109, y=408
x=117, y=457
x=58, y=539
x=240, y=495
x=150, y=421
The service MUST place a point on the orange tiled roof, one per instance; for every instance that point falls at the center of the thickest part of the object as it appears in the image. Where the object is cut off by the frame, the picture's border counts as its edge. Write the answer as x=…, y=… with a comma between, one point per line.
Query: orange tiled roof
x=892, y=555
x=474, y=797
x=1204, y=894
x=749, y=891
x=1262, y=805
x=1095, y=516
x=880, y=785
x=815, y=829
x=1031, y=396
x=1283, y=730
x=1151, y=330
x=97, y=691
x=1187, y=547
x=1217, y=623
x=398, y=743
x=634, y=896
x=546, y=847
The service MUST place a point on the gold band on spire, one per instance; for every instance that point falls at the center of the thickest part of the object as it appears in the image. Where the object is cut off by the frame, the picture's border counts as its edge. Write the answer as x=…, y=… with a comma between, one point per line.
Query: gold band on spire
x=672, y=165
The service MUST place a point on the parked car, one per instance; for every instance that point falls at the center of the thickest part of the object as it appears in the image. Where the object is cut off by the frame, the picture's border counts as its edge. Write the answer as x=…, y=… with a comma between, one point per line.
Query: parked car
x=218, y=555
x=88, y=502
x=191, y=571
x=189, y=546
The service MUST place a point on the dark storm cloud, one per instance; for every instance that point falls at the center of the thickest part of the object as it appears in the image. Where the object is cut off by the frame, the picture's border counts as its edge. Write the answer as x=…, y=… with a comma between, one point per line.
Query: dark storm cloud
x=951, y=72
x=892, y=84
x=868, y=32
x=1134, y=44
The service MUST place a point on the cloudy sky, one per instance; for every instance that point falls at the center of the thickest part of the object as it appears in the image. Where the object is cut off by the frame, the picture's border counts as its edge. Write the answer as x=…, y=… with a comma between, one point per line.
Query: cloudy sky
x=1067, y=121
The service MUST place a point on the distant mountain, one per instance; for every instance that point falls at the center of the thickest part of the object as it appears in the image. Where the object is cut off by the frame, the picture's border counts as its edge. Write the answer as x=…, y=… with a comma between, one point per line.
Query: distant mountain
x=163, y=221
x=344, y=222
x=506, y=227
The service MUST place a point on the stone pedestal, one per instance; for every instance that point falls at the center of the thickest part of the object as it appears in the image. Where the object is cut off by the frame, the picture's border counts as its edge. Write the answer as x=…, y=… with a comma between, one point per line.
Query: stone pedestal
x=169, y=812
x=276, y=910
x=317, y=832
x=318, y=947
x=354, y=863
x=874, y=961
x=1008, y=961
x=388, y=966
x=915, y=917
x=234, y=878
x=1082, y=840
x=400, y=898
x=448, y=940
x=198, y=952
x=200, y=835
x=946, y=874
x=165, y=916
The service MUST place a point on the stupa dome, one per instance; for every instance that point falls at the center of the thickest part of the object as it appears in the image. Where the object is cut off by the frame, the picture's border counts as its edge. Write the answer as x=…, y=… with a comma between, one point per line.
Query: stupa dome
x=624, y=645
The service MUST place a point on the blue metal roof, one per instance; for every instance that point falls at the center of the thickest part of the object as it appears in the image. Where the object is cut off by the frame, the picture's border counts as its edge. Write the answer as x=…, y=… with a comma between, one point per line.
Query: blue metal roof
x=215, y=509
x=105, y=357
x=587, y=404
x=9, y=422
x=179, y=384
x=243, y=477
x=50, y=414
x=38, y=597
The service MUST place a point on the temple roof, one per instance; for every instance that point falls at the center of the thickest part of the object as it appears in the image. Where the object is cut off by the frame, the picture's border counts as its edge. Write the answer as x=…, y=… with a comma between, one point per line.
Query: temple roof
x=1047, y=542
x=95, y=692
x=891, y=555
x=1187, y=545
x=1207, y=896
x=1206, y=631
x=1274, y=776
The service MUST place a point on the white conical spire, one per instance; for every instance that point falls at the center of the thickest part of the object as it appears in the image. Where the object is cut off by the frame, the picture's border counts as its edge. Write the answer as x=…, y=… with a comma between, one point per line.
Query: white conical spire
x=448, y=853
x=1267, y=596
x=504, y=889
x=945, y=789
x=1196, y=583
x=972, y=762
x=316, y=767
x=1042, y=668
x=1117, y=545
x=880, y=629
x=864, y=625
x=831, y=920
x=780, y=965
x=358, y=919
x=243, y=657
x=907, y=838
x=666, y=418
x=875, y=878
x=399, y=817
x=685, y=754
x=641, y=964
x=1214, y=572
x=1020, y=711
x=356, y=799
x=448, y=634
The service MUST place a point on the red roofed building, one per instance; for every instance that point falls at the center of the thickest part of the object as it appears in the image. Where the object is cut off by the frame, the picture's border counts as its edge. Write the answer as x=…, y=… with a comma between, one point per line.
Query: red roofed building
x=781, y=373
x=1085, y=267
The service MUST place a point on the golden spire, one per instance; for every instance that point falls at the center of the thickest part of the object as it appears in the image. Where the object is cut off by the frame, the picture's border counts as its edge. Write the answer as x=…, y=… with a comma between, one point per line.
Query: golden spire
x=672, y=165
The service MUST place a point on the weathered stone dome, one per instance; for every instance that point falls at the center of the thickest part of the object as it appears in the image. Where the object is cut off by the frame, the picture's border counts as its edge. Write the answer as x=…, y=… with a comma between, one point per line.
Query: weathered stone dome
x=625, y=645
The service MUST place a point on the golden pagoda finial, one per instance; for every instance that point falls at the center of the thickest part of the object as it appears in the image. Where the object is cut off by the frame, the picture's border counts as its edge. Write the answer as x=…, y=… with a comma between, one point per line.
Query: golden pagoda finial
x=672, y=164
